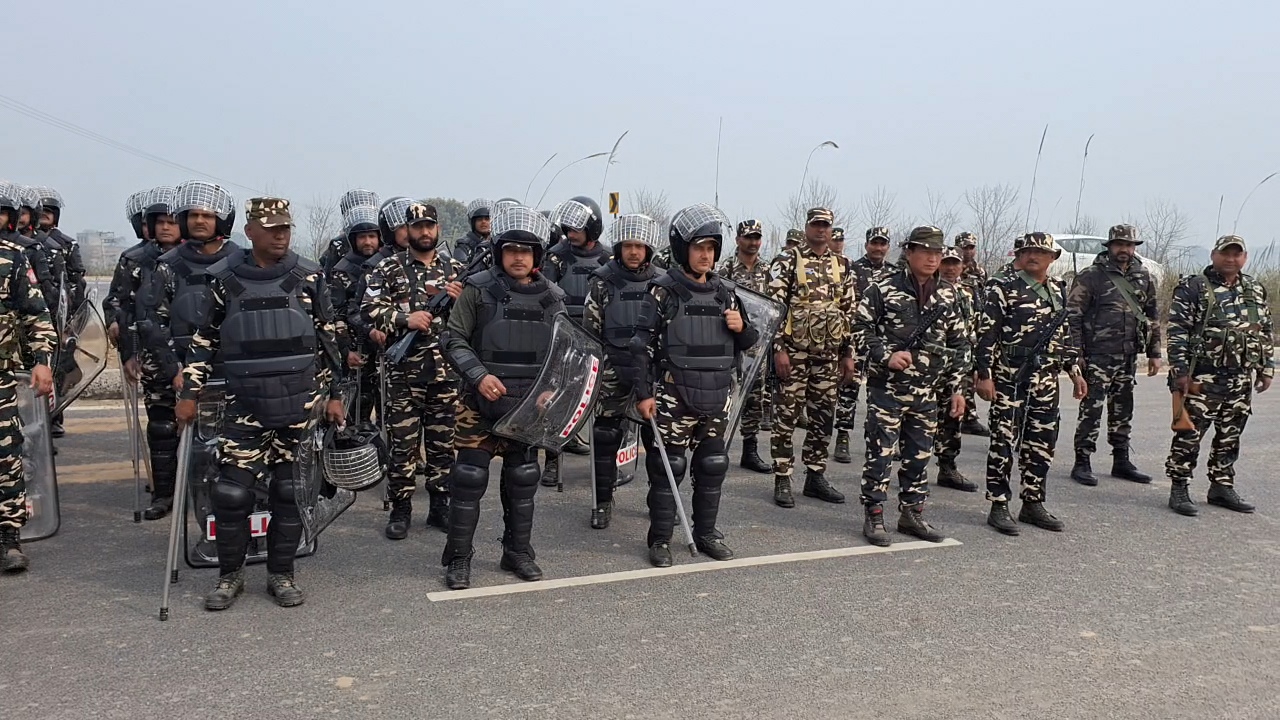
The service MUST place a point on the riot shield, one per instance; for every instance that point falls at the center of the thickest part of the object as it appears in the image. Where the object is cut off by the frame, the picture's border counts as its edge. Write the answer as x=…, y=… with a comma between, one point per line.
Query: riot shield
x=319, y=502
x=563, y=396
x=43, y=516
x=766, y=317
x=81, y=355
x=201, y=461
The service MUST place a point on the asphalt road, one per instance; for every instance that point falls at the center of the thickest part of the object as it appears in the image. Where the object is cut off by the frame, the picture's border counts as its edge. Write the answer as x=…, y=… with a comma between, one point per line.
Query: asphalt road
x=1133, y=612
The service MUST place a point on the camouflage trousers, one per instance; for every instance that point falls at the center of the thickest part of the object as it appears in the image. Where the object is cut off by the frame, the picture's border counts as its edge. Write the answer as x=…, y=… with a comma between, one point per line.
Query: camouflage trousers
x=13, y=489
x=970, y=401
x=248, y=449
x=370, y=391
x=901, y=421
x=946, y=441
x=682, y=429
x=473, y=431
x=847, y=405
x=1039, y=400
x=420, y=423
x=609, y=429
x=753, y=406
x=1225, y=403
x=810, y=389
x=1111, y=381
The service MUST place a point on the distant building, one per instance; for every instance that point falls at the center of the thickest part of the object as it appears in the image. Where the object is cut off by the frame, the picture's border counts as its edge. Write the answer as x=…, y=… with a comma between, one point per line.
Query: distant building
x=100, y=248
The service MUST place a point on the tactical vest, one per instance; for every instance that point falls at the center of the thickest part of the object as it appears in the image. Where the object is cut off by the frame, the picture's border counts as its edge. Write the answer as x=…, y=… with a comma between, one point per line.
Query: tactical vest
x=816, y=326
x=697, y=347
x=269, y=339
x=627, y=291
x=512, y=334
x=351, y=264
x=576, y=277
x=1230, y=341
x=190, y=305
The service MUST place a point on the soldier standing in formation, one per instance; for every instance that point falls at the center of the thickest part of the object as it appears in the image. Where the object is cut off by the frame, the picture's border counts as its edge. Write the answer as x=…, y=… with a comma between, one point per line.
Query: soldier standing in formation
x=270, y=323
x=348, y=273
x=746, y=269
x=478, y=217
x=1114, y=317
x=975, y=278
x=614, y=298
x=912, y=330
x=812, y=354
x=946, y=445
x=422, y=389
x=67, y=268
x=689, y=337
x=1023, y=344
x=1220, y=352
x=869, y=269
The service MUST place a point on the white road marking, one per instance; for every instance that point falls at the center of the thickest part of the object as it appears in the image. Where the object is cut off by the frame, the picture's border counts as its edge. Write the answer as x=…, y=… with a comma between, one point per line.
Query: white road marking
x=678, y=551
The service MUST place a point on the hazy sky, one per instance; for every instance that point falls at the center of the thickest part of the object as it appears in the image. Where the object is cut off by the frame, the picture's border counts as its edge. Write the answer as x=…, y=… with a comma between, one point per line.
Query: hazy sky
x=469, y=98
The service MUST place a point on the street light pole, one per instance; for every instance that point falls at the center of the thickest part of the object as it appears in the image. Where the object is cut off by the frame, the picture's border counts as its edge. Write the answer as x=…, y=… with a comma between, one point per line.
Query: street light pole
x=525, y=199
x=566, y=167
x=805, y=176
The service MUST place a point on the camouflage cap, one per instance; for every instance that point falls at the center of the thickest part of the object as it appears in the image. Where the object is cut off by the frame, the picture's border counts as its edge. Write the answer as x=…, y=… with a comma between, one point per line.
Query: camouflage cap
x=926, y=236
x=750, y=227
x=421, y=212
x=1123, y=233
x=268, y=212
x=837, y=234
x=794, y=235
x=1228, y=240
x=818, y=215
x=1039, y=241
x=966, y=239
x=878, y=232
x=951, y=253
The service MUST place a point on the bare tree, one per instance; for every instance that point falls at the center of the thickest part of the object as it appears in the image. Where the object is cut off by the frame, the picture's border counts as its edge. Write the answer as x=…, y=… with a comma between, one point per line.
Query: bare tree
x=878, y=208
x=995, y=220
x=816, y=194
x=1084, y=225
x=941, y=214
x=1164, y=230
x=322, y=223
x=654, y=204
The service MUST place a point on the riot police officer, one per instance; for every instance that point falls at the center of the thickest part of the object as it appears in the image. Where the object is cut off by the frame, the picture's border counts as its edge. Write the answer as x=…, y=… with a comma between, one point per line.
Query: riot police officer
x=499, y=332
x=270, y=323
x=614, y=297
x=340, y=245
x=689, y=336
x=348, y=273
x=112, y=302
x=480, y=221
x=23, y=204
x=745, y=268
x=394, y=233
x=422, y=389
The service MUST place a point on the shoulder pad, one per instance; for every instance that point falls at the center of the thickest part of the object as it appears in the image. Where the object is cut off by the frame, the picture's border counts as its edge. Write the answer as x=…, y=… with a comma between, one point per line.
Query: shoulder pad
x=307, y=266
x=664, y=281
x=20, y=240
x=224, y=267
x=135, y=253
x=170, y=256
x=728, y=284
x=484, y=278
x=555, y=291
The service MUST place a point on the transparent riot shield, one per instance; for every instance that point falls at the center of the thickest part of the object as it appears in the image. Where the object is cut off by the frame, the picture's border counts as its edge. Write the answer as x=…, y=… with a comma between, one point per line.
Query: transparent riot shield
x=766, y=317
x=81, y=356
x=562, y=397
x=200, y=530
x=319, y=502
x=38, y=471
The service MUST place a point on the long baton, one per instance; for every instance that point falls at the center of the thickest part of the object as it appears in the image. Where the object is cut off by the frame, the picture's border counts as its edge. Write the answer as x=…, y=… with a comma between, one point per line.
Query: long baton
x=675, y=489
x=131, y=420
x=179, y=516
x=591, y=441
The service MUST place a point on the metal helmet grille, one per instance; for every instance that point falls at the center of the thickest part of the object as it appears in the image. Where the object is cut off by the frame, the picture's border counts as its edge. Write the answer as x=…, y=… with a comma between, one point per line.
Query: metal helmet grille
x=133, y=205
x=30, y=197
x=354, y=198
x=690, y=219
x=522, y=219
x=200, y=195
x=360, y=215
x=393, y=212
x=479, y=207
x=355, y=469
x=501, y=205
x=9, y=197
x=635, y=228
x=572, y=214
x=161, y=195
x=49, y=197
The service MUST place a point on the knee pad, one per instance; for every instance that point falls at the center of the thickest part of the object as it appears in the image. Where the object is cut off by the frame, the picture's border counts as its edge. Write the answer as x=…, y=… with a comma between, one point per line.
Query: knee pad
x=468, y=481
x=230, y=497
x=711, y=462
x=607, y=432
x=162, y=434
x=284, y=484
x=520, y=476
x=679, y=464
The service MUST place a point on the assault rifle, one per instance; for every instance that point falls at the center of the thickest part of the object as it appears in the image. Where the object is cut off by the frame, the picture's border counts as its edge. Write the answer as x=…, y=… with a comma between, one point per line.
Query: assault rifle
x=440, y=304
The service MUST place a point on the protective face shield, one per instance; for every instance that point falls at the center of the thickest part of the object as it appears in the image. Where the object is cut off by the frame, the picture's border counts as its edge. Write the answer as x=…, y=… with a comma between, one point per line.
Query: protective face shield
x=157, y=201
x=354, y=198
x=360, y=219
x=503, y=204
x=580, y=213
x=50, y=202
x=31, y=203
x=391, y=216
x=478, y=208
x=10, y=201
x=697, y=221
x=200, y=195
x=133, y=211
x=635, y=227
x=520, y=225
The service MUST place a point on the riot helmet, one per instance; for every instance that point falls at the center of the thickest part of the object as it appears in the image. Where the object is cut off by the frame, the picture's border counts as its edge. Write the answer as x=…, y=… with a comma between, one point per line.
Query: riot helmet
x=157, y=201
x=520, y=225
x=580, y=213
x=355, y=198
x=391, y=216
x=503, y=204
x=50, y=202
x=478, y=208
x=133, y=212
x=10, y=201
x=201, y=195
x=635, y=227
x=360, y=219
x=557, y=235
x=696, y=221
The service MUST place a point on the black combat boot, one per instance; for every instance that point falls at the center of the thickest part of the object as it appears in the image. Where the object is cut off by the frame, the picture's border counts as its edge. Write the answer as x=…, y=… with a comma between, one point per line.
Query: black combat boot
x=1082, y=471
x=521, y=563
x=713, y=547
x=1000, y=519
x=949, y=476
x=602, y=515
x=1226, y=496
x=521, y=481
x=841, y=454
x=816, y=486
x=911, y=522
x=577, y=447
x=1180, y=500
x=457, y=574
x=974, y=427
x=438, y=510
x=782, y=491
x=1033, y=513
x=551, y=470
x=1122, y=468
x=12, y=559
x=751, y=456
x=282, y=588
x=55, y=427
x=398, y=522
x=660, y=554
x=229, y=587
x=159, y=507
x=873, y=526
x=164, y=467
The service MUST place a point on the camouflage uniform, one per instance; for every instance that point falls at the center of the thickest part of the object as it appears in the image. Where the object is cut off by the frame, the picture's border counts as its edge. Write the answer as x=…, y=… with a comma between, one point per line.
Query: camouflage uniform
x=754, y=278
x=24, y=326
x=1228, y=347
x=1024, y=418
x=946, y=445
x=662, y=258
x=422, y=389
x=820, y=294
x=346, y=276
x=975, y=278
x=1114, y=317
x=866, y=274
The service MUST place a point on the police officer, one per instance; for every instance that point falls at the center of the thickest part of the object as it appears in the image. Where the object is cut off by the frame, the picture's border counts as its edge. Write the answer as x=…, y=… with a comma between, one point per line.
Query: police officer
x=569, y=264
x=1220, y=352
x=812, y=354
x=946, y=443
x=913, y=333
x=364, y=238
x=691, y=331
x=112, y=302
x=867, y=270
x=25, y=329
x=614, y=298
x=498, y=335
x=1023, y=344
x=67, y=267
x=23, y=205
x=974, y=277
x=340, y=245
x=1114, y=317
x=172, y=303
x=270, y=324
x=394, y=233
x=745, y=268
x=422, y=389
x=480, y=220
